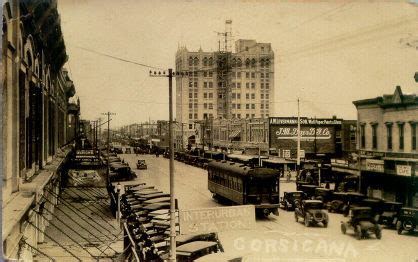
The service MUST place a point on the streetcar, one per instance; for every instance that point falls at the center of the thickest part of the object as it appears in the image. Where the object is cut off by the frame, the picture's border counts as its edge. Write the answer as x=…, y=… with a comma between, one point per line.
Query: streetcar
x=243, y=185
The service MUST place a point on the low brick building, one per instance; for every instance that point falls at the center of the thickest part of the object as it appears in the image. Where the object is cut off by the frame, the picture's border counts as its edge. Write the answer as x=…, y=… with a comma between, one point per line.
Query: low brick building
x=387, y=143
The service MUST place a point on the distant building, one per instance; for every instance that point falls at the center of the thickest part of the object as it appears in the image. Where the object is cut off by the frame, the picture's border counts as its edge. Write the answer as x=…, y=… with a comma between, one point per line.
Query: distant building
x=225, y=85
x=387, y=143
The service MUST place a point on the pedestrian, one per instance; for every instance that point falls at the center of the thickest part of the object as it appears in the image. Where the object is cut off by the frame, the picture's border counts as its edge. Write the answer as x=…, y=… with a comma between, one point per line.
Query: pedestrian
x=289, y=175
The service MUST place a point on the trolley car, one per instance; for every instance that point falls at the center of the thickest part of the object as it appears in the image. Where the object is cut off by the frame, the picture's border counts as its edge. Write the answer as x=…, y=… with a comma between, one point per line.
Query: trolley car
x=243, y=185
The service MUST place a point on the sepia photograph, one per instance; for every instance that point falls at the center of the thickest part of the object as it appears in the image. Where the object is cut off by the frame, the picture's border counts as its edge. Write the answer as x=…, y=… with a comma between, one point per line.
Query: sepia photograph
x=198, y=130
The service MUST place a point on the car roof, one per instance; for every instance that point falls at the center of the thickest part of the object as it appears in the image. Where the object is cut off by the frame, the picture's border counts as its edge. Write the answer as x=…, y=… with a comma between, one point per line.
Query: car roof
x=195, y=246
x=312, y=201
x=292, y=192
x=410, y=208
x=323, y=188
x=156, y=200
x=355, y=194
x=393, y=203
x=361, y=208
x=371, y=200
x=156, y=205
x=219, y=257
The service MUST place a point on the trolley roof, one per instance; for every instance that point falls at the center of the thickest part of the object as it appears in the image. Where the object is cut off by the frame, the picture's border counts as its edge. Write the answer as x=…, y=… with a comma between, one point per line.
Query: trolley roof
x=242, y=170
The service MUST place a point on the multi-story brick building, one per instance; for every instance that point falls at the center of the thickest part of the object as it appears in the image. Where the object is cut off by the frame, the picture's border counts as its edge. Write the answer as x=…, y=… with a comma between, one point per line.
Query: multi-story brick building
x=35, y=131
x=387, y=143
x=227, y=85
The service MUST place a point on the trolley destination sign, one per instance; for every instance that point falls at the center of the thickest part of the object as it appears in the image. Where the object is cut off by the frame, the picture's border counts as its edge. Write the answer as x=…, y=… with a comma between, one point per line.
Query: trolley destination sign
x=216, y=219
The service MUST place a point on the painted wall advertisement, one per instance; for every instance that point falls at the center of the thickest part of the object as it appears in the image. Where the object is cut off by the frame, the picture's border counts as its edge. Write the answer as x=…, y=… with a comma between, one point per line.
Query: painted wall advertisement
x=317, y=135
x=217, y=219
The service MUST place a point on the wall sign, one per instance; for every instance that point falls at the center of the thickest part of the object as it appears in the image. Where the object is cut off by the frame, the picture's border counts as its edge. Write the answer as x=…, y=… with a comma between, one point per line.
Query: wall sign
x=375, y=165
x=403, y=170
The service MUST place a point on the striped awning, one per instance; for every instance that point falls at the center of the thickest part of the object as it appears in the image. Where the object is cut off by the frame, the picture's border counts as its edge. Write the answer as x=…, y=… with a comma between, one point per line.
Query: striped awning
x=234, y=133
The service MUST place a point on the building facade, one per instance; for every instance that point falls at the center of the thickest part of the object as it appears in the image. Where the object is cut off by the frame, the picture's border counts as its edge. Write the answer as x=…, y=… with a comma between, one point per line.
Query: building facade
x=225, y=85
x=323, y=138
x=36, y=92
x=387, y=143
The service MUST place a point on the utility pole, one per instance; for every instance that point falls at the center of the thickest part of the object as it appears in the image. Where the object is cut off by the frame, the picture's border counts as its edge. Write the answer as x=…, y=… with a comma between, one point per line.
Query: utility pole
x=298, y=147
x=170, y=138
x=108, y=114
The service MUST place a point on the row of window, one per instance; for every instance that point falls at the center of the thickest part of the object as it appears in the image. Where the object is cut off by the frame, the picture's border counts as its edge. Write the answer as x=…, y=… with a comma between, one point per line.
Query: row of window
x=235, y=62
x=253, y=85
x=389, y=136
x=220, y=178
x=233, y=84
x=250, y=75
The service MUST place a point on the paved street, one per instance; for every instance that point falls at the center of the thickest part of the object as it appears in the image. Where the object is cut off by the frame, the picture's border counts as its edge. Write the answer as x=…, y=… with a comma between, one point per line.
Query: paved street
x=277, y=238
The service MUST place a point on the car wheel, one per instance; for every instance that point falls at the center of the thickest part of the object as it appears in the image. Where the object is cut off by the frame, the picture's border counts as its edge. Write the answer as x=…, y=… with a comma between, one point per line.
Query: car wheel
x=378, y=232
x=343, y=228
x=306, y=220
x=399, y=227
x=358, y=232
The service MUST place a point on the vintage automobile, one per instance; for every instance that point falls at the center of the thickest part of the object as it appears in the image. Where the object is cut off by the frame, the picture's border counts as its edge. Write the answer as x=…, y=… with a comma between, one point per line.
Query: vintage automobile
x=323, y=194
x=141, y=164
x=390, y=213
x=375, y=204
x=341, y=201
x=312, y=212
x=309, y=190
x=407, y=220
x=118, y=150
x=363, y=222
x=196, y=249
x=290, y=200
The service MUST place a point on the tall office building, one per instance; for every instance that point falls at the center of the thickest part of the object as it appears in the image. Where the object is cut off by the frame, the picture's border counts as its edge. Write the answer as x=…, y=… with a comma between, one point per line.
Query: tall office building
x=225, y=85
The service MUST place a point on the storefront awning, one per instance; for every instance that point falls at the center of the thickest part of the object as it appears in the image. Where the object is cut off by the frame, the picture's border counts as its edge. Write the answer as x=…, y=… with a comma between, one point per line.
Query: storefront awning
x=234, y=133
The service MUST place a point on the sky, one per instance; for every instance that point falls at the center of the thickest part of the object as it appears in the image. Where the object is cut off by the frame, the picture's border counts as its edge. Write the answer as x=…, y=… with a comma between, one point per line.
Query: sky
x=327, y=53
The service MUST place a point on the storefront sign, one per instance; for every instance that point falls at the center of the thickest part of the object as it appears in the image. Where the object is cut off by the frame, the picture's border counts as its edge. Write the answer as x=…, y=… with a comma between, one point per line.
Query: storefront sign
x=403, y=170
x=303, y=121
x=217, y=219
x=310, y=133
x=375, y=165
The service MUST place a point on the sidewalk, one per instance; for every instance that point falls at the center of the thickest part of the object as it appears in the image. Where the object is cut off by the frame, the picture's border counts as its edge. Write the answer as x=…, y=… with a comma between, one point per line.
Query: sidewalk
x=84, y=226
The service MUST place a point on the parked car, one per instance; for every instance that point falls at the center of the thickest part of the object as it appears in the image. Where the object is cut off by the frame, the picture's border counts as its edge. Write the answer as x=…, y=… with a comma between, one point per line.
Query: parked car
x=342, y=201
x=363, y=223
x=390, y=213
x=290, y=200
x=141, y=164
x=407, y=220
x=309, y=190
x=323, y=194
x=312, y=212
x=196, y=249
